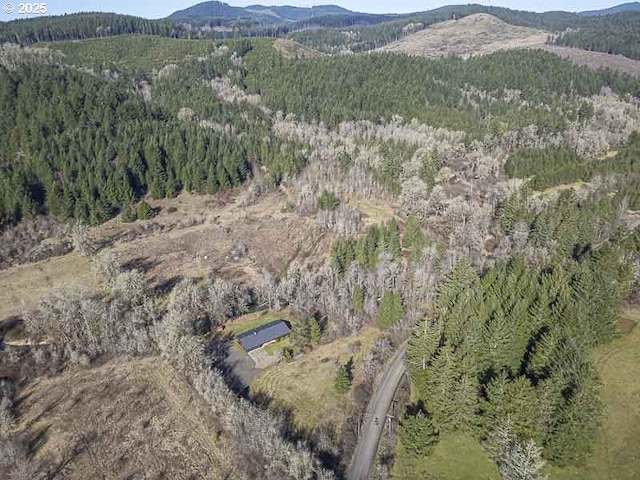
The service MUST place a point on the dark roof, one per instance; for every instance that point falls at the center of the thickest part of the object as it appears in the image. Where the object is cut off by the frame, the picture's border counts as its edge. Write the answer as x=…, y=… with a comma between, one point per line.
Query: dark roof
x=263, y=334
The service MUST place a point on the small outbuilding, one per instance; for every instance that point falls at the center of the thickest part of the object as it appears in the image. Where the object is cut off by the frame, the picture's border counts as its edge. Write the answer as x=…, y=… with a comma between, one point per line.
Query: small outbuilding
x=263, y=334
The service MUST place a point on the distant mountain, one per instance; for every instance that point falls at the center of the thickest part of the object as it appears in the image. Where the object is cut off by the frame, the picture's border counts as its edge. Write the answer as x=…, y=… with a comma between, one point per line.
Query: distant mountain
x=623, y=7
x=257, y=13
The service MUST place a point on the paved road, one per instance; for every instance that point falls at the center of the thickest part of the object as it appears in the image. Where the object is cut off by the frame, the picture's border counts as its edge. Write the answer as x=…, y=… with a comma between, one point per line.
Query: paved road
x=371, y=431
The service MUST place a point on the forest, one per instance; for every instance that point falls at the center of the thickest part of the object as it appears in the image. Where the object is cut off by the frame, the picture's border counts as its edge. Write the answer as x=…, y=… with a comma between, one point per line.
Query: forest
x=618, y=34
x=87, y=147
x=336, y=89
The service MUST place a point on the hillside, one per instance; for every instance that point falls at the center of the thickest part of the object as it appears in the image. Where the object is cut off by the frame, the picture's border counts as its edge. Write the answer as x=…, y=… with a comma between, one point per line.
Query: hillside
x=476, y=34
x=202, y=12
x=623, y=7
x=481, y=34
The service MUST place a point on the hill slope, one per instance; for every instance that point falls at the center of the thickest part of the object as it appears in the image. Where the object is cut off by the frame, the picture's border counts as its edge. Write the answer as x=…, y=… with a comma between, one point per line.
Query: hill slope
x=257, y=13
x=623, y=7
x=473, y=35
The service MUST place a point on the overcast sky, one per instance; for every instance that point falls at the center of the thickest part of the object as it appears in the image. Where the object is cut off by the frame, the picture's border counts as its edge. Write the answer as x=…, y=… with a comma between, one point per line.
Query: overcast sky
x=162, y=8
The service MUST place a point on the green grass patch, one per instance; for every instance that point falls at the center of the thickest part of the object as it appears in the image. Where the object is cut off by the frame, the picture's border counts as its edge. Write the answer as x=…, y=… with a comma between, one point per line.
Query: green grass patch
x=130, y=51
x=616, y=455
x=455, y=457
x=278, y=345
x=251, y=321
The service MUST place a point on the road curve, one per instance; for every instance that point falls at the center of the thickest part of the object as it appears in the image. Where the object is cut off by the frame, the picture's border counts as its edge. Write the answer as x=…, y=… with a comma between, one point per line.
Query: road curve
x=371, y=430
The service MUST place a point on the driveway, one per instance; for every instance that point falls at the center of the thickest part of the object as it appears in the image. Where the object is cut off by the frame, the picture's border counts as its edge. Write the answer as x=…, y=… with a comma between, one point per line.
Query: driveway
x=373, y=425
x=242, y=366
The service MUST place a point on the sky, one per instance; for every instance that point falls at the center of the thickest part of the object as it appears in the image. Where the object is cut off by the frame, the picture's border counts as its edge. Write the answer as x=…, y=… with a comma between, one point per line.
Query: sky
x=163, y=8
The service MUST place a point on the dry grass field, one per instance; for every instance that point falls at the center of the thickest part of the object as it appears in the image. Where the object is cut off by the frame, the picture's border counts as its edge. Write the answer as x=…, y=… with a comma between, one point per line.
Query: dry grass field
x=23, y=286
x=134, y=420
x=192, y=235
x=305, y=385
x=290, y=49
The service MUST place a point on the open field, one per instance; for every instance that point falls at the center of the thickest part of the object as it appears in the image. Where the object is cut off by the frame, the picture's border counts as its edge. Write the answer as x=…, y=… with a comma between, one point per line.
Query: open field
x=23, y=286
x=135, y=419
x=596, y=59
x=130, y=51
x=291, y=49
x=305, y=385
x=477, y=34
x=616, y=456
x=455, y=457
x=192, y=235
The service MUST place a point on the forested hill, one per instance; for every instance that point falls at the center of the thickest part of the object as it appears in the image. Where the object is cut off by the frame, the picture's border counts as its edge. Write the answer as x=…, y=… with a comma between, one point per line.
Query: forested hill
x=624, y=7
x=83, y=25
x=202, y=12
x=618, y=34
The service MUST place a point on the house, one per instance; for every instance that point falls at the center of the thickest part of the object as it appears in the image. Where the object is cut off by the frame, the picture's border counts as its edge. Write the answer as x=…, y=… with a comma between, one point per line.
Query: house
x=263, y=334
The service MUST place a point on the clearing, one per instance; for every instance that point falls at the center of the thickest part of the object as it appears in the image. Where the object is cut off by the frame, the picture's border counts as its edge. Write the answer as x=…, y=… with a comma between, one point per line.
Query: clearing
x=455, y=457
x=130, y=51
x=477, y=34
x=481, y=34
x=291, y=49
x=24, y=285
x=192, y=235
x=305, y=385
x=136, y=419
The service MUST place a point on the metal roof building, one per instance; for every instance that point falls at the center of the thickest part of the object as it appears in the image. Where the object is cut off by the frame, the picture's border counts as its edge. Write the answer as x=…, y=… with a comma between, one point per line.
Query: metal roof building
x=263, y=334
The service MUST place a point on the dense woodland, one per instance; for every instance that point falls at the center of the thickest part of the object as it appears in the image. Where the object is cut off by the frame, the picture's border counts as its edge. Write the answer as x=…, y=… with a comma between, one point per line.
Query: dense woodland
x=618, y=34
x=85, y=147
x=336, y=89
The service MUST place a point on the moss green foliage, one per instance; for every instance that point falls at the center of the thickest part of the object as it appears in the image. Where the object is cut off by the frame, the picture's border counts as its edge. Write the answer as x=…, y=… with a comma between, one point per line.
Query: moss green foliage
x=137, y=52
x=390, y=309
x=366, y=250
x=128, y=214
x=344, y=377
x=82, y=25
x=328, y=201
x=338, y=88
x=514, y=344
x=90, y=146
x=414, y=238
x=314, y=332
x=418, y=433
x=549, y=167
x=145, y=211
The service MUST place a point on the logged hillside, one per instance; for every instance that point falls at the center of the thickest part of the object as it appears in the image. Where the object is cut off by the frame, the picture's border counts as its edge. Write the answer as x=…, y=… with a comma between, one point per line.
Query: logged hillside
x=473, y=35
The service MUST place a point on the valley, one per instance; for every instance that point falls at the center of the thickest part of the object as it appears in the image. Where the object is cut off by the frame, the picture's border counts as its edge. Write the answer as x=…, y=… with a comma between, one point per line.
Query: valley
x=436, y=211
